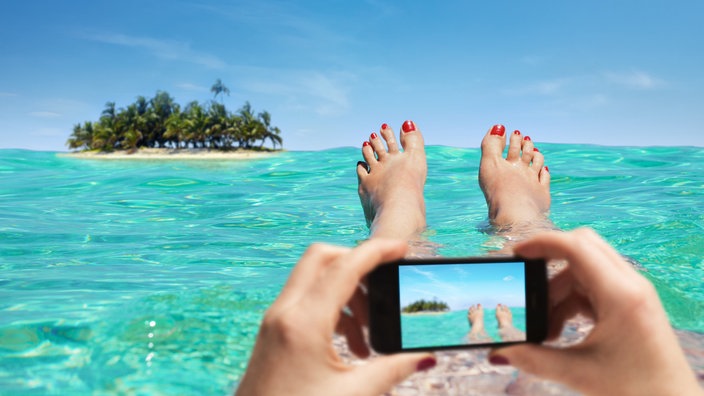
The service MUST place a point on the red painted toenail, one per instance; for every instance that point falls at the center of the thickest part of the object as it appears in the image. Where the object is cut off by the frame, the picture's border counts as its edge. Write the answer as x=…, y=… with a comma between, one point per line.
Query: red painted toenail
x=536, y=149
x=516, y=132
x=526, y=138
x=384, y=126
x=546, y=169
x=409, y=126
x=365, y=144
x=373, y=135
x=498, y=130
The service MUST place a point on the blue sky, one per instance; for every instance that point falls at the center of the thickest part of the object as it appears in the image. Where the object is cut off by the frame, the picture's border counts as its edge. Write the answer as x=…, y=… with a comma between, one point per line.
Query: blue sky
x=330, y=72
x=461, y=285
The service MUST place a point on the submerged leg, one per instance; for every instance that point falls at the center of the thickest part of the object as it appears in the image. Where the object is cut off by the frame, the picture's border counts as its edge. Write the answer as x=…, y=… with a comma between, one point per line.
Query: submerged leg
x=516, y=188
x=391, y=183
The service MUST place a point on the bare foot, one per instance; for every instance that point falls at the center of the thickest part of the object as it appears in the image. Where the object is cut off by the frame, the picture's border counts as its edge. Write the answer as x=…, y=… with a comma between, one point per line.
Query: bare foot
x=507, y=330
x=517, y=188
x=391, y=183
x=477, y=333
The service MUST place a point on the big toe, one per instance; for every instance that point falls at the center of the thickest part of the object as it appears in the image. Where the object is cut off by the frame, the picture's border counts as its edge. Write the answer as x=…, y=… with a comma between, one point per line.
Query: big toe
x=411, y=137
x=494, y=141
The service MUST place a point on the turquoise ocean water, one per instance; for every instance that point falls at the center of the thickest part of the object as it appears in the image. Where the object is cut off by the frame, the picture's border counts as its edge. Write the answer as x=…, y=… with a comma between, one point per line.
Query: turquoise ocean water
x=150, y=277
x=451, y=328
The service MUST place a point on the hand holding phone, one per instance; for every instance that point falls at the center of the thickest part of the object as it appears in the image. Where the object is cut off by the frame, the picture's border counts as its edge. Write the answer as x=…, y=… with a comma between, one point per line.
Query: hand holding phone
x=443, y=303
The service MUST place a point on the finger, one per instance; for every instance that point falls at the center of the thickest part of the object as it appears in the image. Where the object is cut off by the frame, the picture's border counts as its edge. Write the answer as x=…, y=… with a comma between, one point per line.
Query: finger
x=344, y=273
x=306, y=272
x=614, y=257
x=381, y=374
x=587, y=261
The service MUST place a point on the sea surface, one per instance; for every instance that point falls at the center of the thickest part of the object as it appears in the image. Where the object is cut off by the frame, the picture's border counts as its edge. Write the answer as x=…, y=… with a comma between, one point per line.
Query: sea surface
x=151, y=277
x=451, y=328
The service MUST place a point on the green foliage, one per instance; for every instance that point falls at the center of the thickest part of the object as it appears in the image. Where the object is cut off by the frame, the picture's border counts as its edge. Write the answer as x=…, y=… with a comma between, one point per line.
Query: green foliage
x=161, y=123
x=426, y=306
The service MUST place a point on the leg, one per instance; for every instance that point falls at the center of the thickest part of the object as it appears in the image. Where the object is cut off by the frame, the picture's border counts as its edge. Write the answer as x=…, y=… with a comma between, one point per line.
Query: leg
x=477, y=334
x=391, y=183
x=507, y=331
x=516, y=188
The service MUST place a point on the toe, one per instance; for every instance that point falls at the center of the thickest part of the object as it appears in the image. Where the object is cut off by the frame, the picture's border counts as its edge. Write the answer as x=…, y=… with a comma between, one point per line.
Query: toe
x=544, y=177
x=538, y=160
x=368, y=154
x=494, y=141
x=377, y=146
x=362, y=170
x=527, y=148
x=388, y=134
x=411, y=138
x=514, y=146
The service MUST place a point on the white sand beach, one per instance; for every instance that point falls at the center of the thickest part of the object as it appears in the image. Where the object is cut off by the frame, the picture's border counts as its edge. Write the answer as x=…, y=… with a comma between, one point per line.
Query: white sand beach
x=172, y=154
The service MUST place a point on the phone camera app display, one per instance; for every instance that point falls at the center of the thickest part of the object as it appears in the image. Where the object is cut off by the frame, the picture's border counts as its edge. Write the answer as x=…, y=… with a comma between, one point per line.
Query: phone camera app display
x=459, y=304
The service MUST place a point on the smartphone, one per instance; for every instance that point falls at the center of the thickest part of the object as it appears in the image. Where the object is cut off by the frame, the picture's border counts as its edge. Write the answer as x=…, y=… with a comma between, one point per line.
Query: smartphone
x=447, y=303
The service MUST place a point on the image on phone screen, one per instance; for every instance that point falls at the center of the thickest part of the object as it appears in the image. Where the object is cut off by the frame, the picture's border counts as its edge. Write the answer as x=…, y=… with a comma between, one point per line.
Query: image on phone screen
x=458, y=304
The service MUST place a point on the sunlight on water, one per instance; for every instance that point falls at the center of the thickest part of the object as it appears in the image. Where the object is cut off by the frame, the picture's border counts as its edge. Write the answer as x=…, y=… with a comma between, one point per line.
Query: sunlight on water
x=151, y=277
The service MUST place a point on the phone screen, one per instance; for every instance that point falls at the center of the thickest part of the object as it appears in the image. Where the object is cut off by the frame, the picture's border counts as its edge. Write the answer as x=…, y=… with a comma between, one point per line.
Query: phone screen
x=457, y=304
x=440, y=303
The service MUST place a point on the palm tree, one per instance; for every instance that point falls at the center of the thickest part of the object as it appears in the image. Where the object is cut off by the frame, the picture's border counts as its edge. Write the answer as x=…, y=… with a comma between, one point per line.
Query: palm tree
x=175, y=127
x=134, y=125
x=218, y=89
x=161, y=106
x=196, y=124
x=269, y=132
x=82, y=137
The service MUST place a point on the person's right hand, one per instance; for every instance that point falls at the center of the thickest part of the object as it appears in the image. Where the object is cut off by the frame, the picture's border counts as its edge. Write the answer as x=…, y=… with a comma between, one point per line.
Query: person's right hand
x=632, y=350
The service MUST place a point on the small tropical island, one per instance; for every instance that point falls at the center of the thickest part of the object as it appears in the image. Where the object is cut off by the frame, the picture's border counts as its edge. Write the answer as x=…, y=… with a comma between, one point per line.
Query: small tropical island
x=421, y=306
x=160, y=128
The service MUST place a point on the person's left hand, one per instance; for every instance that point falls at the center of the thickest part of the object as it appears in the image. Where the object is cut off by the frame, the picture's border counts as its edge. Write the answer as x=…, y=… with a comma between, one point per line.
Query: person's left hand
x=294, y=355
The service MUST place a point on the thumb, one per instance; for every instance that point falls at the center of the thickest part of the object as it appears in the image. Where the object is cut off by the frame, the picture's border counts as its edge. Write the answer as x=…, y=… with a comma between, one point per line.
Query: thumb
x=381, y=374
x=549, y=363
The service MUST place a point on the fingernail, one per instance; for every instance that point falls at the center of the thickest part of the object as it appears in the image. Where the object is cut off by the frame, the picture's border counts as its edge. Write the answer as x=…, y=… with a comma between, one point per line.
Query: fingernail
x=373, y=135
x=409, y=126
x=426, y=364
x=384, y=126
x=526, y=138
x=546, y=169
x=498, y=360
x=498, y=130
x=365, y=144
x=536, y=149
x=516, y=132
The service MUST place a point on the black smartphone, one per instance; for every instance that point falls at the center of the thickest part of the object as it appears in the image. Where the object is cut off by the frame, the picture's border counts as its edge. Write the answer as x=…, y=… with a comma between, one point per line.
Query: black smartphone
x=445, y=303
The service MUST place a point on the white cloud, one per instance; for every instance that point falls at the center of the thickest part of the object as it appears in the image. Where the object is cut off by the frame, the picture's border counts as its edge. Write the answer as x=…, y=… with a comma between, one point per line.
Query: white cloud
x=634, y=79
x=165, y=49
x=509, y=278
x=330, y=92
x=325, y=94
